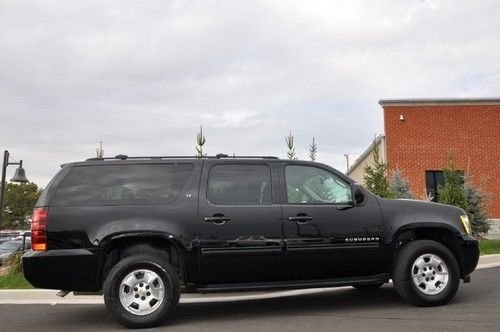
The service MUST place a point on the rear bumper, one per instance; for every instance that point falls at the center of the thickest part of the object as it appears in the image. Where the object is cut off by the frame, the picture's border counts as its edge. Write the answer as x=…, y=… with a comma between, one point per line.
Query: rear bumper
x=470, y=255
x=68, y=269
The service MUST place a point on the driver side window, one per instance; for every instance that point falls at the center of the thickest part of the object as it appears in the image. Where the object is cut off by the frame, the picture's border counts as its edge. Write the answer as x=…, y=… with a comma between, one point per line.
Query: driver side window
x=312, y=185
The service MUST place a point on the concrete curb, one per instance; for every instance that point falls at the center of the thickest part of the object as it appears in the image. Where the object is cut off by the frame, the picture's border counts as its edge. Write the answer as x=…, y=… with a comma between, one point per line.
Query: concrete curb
x=48, y=296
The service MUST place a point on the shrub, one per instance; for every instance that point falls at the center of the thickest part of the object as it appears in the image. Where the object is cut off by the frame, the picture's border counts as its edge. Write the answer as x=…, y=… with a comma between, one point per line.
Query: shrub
x=400, y=185
x=13, y=263
x=453, y=191
x=476, y=199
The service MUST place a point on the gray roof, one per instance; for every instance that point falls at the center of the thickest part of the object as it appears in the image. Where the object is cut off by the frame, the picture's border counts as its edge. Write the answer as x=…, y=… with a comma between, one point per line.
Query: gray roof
x=439, y=101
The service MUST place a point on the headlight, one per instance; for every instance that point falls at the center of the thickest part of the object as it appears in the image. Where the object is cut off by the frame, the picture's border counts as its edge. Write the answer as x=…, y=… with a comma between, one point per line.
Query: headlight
x=465, y=222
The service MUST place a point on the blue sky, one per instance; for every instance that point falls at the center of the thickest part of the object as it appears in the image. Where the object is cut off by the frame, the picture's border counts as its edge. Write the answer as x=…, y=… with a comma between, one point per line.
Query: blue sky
x=143, y=75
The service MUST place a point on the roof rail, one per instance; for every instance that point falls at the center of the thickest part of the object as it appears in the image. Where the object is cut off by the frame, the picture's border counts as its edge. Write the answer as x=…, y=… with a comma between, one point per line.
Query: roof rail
x=218, y=156
x=222, y=155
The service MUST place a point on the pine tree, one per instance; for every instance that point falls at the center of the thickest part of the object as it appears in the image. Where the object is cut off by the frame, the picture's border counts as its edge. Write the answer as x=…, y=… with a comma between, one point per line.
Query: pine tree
x=99, y=151
x=313, y=149
x=291, y=148
x=200, y=141
x=375, y=177
x=453, y=191
x=400, y=185
x=476, y=199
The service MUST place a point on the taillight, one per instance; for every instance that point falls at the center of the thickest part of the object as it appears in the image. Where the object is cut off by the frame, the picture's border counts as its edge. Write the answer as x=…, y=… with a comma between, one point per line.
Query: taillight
x=39, y=229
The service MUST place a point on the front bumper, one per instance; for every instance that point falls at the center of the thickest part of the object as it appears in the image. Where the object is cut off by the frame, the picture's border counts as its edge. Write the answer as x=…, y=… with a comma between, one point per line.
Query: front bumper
x=68, y=269
x=470, y=255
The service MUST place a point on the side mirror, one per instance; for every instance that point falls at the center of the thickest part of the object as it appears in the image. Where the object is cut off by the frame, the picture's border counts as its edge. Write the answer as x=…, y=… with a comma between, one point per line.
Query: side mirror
x=359, y=193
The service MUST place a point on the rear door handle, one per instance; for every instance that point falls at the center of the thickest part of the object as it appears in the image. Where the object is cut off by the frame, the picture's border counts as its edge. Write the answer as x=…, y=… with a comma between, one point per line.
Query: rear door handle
x=217, y=219
x=301, y=219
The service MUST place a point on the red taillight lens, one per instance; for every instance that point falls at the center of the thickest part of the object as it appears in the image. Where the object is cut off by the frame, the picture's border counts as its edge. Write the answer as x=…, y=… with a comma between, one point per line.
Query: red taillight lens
x=39, y=229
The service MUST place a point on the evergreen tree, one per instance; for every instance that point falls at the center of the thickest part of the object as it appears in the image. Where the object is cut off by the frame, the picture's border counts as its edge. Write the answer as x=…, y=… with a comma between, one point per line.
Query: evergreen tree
x=476, y=199
x=400, y=185
x=375, y=177
x=453, y=191
x=19, y=201
x=291, y=148
x=200, y=141
x=313, y=149
x=99, y=151
x=459, y=191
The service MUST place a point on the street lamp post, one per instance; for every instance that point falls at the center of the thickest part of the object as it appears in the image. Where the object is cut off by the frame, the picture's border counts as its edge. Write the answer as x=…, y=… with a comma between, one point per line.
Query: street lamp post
x=19, y=176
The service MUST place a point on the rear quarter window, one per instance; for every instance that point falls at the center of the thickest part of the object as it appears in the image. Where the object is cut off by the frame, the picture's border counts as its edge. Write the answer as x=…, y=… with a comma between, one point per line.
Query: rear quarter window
x=122, y=184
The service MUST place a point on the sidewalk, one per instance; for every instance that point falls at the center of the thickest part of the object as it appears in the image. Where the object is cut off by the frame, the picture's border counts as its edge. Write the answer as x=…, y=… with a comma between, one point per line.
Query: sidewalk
x=47, y=296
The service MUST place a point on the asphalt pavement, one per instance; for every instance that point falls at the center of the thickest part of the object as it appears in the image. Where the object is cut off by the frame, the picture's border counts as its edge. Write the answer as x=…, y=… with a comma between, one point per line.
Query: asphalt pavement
x=476, y=307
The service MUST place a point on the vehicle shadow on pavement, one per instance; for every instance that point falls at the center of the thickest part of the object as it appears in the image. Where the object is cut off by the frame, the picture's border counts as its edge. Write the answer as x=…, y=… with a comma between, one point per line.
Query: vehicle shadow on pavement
x=334, y=301
x=330, y=302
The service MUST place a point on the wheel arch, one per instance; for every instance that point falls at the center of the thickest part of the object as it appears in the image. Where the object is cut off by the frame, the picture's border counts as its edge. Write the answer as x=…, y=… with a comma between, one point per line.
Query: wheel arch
x=441, y=233
x=120, y=246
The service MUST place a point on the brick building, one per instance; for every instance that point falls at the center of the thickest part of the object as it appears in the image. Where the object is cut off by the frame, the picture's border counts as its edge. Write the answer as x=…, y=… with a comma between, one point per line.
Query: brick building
x=420, y=133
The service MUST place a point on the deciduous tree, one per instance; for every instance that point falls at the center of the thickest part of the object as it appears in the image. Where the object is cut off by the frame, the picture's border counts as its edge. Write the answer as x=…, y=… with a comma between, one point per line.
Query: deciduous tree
x=19, y=201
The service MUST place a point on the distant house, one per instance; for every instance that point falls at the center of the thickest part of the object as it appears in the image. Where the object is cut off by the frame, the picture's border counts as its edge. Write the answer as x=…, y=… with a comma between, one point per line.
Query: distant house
x=420, y=133
x=355, y=171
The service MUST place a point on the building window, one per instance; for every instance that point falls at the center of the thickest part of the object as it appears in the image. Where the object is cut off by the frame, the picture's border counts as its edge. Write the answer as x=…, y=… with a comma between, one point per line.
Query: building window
x=433, y=179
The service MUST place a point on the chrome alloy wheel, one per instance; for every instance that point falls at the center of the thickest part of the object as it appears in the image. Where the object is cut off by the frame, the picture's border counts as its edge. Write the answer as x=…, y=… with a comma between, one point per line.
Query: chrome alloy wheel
x=430, y=274
x=141, y=292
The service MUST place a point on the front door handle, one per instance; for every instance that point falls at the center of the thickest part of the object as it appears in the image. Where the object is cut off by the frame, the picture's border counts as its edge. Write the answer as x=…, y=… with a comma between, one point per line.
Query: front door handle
x=217, y=219
x=301, y=219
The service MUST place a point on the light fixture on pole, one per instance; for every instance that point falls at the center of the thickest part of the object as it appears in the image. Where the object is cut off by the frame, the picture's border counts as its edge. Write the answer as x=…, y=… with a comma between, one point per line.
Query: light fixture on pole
x=19, y=176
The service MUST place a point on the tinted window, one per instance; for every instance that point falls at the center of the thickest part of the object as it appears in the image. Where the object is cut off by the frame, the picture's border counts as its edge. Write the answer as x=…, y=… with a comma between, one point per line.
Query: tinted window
x=240, y=184
x=312, y=185
x=123, y=184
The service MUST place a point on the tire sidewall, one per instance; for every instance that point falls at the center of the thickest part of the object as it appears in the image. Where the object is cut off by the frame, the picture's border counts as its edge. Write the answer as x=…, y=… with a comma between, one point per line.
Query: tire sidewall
x=112, y=294
x=453, y=275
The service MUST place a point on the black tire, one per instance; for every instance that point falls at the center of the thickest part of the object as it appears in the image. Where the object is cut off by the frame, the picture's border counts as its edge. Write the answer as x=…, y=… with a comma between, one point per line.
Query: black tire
x=152, y=262
x=404, y=284
x=368, y=288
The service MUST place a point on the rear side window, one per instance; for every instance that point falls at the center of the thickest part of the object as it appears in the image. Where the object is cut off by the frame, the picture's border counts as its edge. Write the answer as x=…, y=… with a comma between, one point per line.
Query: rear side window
x=239, y=184
x=123, y=184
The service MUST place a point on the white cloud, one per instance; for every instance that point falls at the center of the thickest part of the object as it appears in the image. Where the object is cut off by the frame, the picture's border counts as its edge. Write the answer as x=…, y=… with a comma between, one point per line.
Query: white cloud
x=143, y=75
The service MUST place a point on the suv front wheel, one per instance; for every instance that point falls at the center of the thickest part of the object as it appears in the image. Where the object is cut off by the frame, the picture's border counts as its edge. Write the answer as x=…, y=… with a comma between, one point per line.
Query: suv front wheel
x=426, y=273
x=141, y=290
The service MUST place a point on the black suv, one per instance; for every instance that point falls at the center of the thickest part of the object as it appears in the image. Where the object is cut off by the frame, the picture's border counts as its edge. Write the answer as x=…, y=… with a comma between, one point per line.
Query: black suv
x=142, y=229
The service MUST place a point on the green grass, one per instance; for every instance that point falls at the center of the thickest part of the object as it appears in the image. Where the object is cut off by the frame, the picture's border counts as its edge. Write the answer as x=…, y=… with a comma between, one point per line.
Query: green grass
x=14, y=280
x=489, y=247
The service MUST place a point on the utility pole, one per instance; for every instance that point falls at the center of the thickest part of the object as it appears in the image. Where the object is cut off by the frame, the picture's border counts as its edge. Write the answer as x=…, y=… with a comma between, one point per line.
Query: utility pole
x=346, y=155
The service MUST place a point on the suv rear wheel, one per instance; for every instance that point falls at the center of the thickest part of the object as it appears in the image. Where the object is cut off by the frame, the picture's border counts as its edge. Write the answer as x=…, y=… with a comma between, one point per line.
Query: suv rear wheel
x=141, y=290
x=426, y=273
